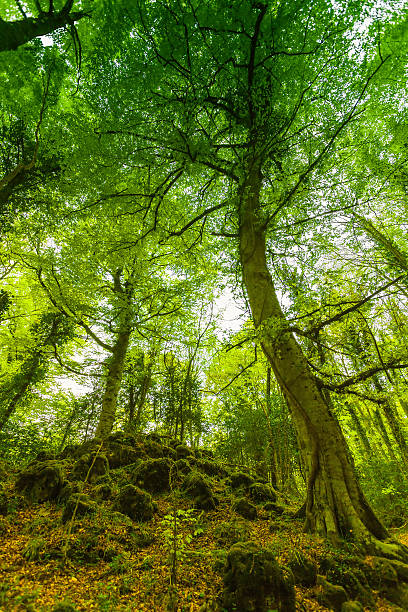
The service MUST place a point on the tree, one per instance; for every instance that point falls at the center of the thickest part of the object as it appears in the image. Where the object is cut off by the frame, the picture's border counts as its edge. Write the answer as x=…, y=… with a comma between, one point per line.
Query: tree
x=15, y=33
x=253, y=94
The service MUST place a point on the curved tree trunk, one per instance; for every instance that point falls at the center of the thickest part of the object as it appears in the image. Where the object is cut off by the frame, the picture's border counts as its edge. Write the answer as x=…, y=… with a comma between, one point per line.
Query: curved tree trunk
x=13, y=34
x=113, y=381
x=335, y=506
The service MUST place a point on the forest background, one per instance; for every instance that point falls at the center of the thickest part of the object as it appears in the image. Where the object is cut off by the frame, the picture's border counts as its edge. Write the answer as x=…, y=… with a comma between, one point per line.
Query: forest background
x=156, y=156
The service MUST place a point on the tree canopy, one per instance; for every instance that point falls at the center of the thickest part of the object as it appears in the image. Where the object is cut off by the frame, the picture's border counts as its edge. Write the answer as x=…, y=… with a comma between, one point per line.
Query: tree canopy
x=158, y=156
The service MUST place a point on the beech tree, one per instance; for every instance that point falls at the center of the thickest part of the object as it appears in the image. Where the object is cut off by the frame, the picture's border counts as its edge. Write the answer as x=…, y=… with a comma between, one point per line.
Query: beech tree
x=259, y=96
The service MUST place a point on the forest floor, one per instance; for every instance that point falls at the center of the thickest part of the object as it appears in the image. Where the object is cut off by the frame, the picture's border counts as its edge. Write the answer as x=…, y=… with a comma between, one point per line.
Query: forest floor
x=106, y=564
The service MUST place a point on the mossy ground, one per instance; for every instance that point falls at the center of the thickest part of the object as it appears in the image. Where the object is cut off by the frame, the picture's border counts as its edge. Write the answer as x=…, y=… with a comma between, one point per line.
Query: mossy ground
x=115, y=564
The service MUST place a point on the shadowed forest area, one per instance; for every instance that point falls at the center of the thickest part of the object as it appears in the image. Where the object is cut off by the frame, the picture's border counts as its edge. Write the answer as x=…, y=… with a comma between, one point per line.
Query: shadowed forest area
x=203, y=305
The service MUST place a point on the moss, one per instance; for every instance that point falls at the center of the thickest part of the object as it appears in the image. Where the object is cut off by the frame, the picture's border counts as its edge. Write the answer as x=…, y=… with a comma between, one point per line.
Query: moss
x=197, y=486
x=238, y=480
x=99, y=463
x=245, y=508
x=260, y=492
x=330, y=595
x=304, y=570
x=253, y=580
x=40, y=481
x=153, y=475
x=183, y=452
x=231, y=532
x=80, y=504
x=135, y=503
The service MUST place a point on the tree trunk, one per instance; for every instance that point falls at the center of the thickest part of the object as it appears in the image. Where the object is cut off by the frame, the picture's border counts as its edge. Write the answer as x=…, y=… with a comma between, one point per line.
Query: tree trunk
x=113, y=381
x=335, y=506
x=16, y=33
x=17, y=397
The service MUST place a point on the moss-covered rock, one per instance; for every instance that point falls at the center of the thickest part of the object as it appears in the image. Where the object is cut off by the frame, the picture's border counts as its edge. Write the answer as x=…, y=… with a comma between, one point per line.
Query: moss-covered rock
x=254, y=581
x=123, y=438
x=274, y=508
x=182, y=467
x=183, y=452
x=40, y=481
x=229, y=533
x=153, y=448
x=96, y=464
x=120, y=455
x=64, y=606
x=245, y=508
x=135, y=503
x=333, y=596
x=198, y=487
x=352, y=606
x=153, y=475
x=239, y=480
x=260, y=492
x=304, y=570
x=102, y=492
x=80, y=504
x=169, y=452
x=68, y=489
x=211, y=468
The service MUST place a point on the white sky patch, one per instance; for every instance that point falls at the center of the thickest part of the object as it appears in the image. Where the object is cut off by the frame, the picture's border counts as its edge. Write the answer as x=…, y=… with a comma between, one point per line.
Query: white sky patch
x=47, y=41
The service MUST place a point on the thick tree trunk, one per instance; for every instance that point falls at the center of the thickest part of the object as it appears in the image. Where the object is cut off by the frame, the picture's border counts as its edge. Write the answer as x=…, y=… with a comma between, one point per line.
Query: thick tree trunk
x=13, y=34
x=335, y=505
x=113, y=381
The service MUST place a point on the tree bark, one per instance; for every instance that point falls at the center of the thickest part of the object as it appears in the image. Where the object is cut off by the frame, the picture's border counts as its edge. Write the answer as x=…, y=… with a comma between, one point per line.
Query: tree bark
x=113, y=381
x=335, y=506
x=13, y=34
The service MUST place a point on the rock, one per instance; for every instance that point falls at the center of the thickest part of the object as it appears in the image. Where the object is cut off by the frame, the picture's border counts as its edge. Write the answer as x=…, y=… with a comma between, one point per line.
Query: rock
x=135, y=503
x=64, y=607
x=245, y=508
x=196, y=485
x=182, y=466
x=262, y=492
x=40, y=481
x=304, y=570
x=102, y=492
x=238, y=480
x=355, y=583
x=211, y=468
x=122, y=438
x=227, y=534
x=169, y=452
x=71, y=450
x=275, y=508
x=68, y=489
x=119, y=455
x=153, y=475
x=80, y=504
x=352, y=606
x=153, y=448
x=44, y=456
x=330, y=595
x=99, y=463
x=253, y=580
x=183, y=452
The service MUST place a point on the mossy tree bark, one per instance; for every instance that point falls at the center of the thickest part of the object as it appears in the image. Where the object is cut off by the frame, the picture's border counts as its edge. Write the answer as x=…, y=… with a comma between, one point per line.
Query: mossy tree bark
x=335, y=507
x=116, y=362
x=13, y=34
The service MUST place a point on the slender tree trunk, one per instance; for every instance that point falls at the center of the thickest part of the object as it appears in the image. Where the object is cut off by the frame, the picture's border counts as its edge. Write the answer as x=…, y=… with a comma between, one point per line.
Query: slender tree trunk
x=335, y=505
x=17, y=397
x=365, y=444
x=113, y=381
